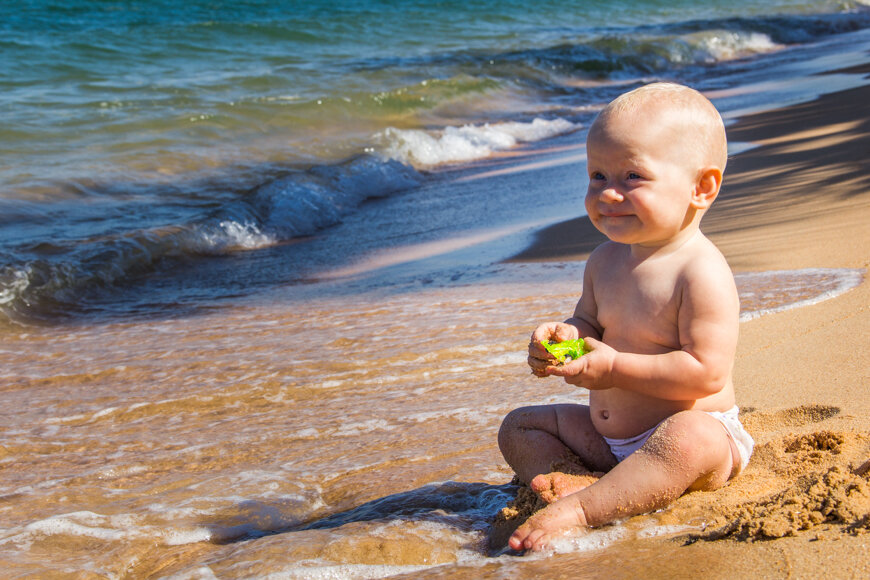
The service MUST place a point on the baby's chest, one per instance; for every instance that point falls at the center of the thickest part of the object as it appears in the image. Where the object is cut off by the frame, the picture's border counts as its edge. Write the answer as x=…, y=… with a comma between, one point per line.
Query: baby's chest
x=646, y=309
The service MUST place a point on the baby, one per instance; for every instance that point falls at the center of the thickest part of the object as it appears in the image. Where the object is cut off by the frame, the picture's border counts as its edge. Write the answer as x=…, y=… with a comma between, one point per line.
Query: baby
x=659, y=312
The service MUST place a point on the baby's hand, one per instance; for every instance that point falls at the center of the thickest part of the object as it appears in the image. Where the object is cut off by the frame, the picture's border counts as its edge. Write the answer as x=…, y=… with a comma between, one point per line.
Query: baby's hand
x=540, y=360
x=592, y=370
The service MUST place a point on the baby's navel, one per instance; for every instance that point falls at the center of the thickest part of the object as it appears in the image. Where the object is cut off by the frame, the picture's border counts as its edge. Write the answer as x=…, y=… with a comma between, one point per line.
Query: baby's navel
x=605, y=414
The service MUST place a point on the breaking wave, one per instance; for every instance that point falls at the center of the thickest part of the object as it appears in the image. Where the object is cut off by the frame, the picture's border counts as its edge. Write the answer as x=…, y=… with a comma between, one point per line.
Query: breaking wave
x=298, y=204
x=466, y=143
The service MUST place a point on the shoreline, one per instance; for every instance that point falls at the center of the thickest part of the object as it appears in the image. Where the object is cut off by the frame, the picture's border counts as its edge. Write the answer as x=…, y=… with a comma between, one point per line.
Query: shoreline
x=799, y=199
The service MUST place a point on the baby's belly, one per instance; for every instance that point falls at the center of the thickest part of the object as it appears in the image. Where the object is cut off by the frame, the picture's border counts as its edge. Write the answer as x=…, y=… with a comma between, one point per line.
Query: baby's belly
x=619, y=414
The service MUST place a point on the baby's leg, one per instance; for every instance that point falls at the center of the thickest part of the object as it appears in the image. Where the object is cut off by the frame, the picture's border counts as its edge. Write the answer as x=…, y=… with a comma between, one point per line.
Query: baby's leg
x=689, y=451
x=532, y=439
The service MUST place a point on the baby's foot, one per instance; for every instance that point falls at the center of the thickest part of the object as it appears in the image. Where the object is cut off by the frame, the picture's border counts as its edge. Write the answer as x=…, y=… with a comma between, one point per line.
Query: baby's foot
x=551, y=522
x=554, y=486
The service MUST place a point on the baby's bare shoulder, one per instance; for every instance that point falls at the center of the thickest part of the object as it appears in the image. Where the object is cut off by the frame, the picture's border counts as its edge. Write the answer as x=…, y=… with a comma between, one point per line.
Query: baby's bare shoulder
x=704, y=264
x=708, y=283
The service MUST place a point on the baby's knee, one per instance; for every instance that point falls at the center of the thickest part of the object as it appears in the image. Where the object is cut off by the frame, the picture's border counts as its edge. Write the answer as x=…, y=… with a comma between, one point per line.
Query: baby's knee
x=694, y=437
x=512, y=423
x=517, y=423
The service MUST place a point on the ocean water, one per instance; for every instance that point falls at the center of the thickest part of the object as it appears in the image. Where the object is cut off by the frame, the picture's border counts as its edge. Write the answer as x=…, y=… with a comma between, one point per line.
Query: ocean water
x=154, y=139
x=255, y=314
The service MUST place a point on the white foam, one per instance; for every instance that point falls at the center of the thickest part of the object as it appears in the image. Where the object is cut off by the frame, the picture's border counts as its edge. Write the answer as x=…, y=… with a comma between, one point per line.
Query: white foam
x=601, y=538
x=724, y=45
x=12, y=289
x=508, y=358
x=181, y=537
x=104, y=412
x=310, y=570
x=846, y=279
x=116, y=528
x=228, y=236
x=480, y=416
x=201, y=573
x=658, y=531
x=57, y=525
x=113, y=472
x=466, y=143
x=359, y=428
x=55, y=420
x=177, y=513
x=330, y=384
x=307, y=433
x=596, y=539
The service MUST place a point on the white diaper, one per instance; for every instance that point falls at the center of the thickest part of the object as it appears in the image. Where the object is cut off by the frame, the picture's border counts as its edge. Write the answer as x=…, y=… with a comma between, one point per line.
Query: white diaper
x=742, y=439
x=622, y=448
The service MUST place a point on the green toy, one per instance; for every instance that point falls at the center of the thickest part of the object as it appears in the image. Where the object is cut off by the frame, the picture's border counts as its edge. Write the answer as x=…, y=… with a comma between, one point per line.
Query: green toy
x=572, y=349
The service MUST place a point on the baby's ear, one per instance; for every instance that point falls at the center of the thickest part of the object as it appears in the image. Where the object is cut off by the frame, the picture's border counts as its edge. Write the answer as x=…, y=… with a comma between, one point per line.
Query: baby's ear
x=707, y=187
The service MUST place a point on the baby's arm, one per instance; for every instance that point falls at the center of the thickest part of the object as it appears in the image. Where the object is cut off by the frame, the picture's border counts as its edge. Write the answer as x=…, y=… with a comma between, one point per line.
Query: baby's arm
x=707, y=322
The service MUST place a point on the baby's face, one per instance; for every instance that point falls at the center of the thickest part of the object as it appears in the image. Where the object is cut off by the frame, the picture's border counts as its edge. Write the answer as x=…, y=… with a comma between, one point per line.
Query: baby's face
x=641, y=180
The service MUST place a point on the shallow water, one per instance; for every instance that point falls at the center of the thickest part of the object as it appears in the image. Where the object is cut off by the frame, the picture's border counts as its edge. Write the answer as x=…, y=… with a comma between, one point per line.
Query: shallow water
x=339, y=438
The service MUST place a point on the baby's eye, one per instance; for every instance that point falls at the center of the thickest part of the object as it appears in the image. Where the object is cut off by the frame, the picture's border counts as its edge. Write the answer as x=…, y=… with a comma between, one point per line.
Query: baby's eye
x=597, y=176
x=634, y=175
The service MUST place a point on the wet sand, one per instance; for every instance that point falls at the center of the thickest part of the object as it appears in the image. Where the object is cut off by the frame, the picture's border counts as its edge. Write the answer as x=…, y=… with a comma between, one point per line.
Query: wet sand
x=801, y=199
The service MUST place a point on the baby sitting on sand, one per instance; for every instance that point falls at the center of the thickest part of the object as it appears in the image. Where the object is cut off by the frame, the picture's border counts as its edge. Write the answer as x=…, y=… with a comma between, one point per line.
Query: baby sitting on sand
x=659, y=312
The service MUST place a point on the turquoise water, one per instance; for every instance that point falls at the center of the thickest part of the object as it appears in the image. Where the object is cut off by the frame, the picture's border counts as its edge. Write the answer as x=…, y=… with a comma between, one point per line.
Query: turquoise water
x=139, y=137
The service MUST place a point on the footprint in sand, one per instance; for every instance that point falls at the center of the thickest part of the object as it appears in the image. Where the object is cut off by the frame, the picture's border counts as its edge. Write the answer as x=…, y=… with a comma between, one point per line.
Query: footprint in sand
x=759, y=421
x=779, y=450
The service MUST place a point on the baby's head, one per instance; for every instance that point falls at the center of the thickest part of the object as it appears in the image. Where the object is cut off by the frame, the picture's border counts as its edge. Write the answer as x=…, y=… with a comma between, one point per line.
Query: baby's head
x=655, y=157
x=685, y=117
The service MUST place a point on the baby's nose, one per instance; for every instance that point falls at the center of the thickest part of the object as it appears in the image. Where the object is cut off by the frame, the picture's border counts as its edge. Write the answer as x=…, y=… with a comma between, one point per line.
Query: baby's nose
x=611, y=195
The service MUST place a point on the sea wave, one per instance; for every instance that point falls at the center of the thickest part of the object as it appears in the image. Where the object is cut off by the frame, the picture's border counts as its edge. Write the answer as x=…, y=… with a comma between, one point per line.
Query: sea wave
x=723, y=45
x=465, y=143
x=300, y=203
x=625, y=51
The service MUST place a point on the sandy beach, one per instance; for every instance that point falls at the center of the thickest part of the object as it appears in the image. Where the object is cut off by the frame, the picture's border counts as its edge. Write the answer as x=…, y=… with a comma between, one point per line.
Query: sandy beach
x=801, y=199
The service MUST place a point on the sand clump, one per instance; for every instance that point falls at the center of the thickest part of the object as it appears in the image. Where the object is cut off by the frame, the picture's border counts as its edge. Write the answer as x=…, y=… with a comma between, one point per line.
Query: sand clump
x=817, y=442
x=838, y=496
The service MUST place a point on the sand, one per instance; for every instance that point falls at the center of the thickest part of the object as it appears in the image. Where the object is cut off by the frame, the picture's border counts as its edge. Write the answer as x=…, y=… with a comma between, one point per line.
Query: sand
x=801, y=199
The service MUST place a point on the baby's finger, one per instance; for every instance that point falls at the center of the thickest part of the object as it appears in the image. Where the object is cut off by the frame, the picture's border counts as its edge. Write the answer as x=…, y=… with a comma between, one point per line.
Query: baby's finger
x=539, y=366
x=539, y=352
x=564, y=332
x=537, y=349
x=569, y=369
x=547, y=331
